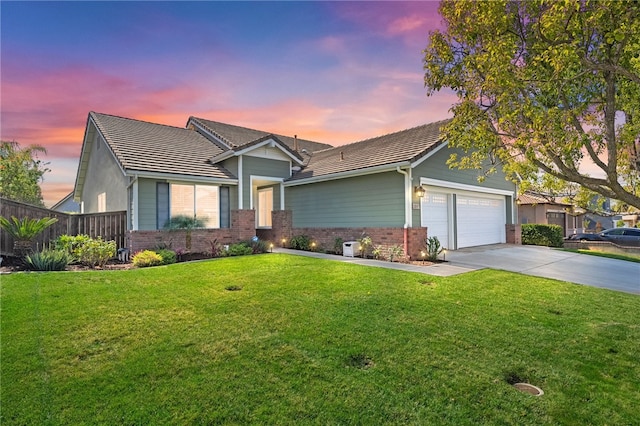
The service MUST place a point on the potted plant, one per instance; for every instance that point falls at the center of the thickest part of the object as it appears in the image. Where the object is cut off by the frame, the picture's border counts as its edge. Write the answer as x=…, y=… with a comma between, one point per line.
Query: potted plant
x=25, y=231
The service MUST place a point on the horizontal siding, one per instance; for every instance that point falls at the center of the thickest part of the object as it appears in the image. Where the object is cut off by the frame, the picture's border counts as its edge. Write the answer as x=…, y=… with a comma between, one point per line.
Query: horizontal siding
x=372, y=200
x=436, y=168
x=256, y=166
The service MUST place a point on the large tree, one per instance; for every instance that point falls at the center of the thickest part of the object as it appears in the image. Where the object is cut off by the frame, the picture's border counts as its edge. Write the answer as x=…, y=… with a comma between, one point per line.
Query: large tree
x=21, y=172
x=545, y=89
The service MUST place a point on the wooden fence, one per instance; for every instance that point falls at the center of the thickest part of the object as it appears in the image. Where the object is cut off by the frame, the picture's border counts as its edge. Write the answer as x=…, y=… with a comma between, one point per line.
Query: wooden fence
x=109, y=225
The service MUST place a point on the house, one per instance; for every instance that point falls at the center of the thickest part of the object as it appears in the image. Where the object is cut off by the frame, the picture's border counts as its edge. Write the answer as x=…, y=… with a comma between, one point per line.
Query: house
x=536, y=208
x=247, y=182
x=67, y=205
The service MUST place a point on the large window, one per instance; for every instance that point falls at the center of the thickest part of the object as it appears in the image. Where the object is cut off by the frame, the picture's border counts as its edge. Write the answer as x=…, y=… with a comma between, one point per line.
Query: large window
x=199, y=201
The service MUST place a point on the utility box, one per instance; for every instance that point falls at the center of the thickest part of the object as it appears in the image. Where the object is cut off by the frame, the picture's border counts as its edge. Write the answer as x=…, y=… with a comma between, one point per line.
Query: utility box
x=351, y=248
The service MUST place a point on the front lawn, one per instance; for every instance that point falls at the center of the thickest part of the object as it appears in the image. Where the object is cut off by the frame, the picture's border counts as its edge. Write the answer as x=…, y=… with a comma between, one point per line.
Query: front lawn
x=277, y=339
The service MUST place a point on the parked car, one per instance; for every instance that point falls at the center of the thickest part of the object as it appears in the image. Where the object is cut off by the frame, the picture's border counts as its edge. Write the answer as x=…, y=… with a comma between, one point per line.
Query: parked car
x=584, y=237
x=622, y=236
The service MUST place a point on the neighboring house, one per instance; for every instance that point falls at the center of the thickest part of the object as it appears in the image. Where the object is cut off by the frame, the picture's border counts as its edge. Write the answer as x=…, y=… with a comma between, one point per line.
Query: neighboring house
x=534, y=208
x=67, y=205
x=246, y=182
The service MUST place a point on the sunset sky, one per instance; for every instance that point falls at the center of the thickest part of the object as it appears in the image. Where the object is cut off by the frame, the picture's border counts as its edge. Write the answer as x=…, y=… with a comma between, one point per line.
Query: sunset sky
x=335, y=72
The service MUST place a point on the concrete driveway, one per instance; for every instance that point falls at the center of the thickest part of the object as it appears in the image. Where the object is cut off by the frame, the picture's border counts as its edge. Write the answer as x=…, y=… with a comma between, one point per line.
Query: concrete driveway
x=544, y=262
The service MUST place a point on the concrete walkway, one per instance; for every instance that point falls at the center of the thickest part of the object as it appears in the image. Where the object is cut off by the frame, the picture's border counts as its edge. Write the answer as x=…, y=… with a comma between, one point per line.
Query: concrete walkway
x=544, y=262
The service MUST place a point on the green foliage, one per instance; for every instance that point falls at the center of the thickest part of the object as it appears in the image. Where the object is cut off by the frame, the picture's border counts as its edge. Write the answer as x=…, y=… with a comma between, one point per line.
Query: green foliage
x=366, y=244
x=433, y=248
x=543, y=86
x=26, y=229
x=71, y=244
x=48, y=260
x=337, y=245
x=542, y=235
x=257, y=246
x=168, y=256
x=184, y=222
x=146, y=258
x=21, y=172
x=300, y=242
x=96, y=252
x=240, y=249
x=395, y=252
x=619, y=223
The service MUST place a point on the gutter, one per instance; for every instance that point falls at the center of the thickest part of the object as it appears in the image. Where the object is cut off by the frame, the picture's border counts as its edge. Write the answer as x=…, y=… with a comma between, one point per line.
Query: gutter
x=407, y=207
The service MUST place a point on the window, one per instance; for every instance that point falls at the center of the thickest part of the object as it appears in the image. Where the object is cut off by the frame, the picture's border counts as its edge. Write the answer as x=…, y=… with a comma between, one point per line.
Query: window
x=102, y=202
x=198, y=201
x=265, y=206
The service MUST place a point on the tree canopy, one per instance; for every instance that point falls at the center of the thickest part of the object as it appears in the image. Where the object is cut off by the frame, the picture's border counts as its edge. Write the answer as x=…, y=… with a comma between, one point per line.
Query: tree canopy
x=545, y=89
x=21, y=172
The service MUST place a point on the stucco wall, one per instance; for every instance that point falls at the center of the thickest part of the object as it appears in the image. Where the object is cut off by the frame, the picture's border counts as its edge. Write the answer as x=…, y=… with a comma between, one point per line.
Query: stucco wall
x=103, y=175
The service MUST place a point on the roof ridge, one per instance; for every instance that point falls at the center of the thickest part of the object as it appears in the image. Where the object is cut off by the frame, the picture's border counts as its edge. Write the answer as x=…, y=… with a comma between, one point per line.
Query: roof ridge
x=94, y=113
x=213, y=132
x=385, y=135
x=266, y=132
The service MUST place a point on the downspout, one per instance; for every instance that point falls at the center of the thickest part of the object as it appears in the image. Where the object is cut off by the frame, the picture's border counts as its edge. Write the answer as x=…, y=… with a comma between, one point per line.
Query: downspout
x=407, y=208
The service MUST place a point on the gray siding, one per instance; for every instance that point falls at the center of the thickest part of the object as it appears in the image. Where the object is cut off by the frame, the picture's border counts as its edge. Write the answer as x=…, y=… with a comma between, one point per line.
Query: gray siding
x=371, y=200
x=436, y=168
x=266, y=167
x=103, y=175
x=147, y=204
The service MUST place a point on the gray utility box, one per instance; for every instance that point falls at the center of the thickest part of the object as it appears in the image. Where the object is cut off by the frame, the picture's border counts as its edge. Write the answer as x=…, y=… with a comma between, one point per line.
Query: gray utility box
x=351, y=248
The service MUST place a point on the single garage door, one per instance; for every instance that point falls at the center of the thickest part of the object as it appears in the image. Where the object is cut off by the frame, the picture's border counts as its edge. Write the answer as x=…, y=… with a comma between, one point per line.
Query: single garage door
x=435, y=216
x=481, y=220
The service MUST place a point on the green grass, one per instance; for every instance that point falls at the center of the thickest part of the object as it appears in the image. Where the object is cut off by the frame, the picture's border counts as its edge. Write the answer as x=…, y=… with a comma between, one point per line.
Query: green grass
x=277, y=339
x=627, y=257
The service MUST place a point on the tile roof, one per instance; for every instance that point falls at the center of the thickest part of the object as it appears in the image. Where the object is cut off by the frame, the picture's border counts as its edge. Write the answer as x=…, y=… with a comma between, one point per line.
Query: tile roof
x=149, y=147
x=404, y=146
x=236, y=136
x=531, y=198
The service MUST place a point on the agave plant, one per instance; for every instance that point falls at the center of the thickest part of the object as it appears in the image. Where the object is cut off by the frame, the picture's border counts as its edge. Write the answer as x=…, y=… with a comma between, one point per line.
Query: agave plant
x=24, y=231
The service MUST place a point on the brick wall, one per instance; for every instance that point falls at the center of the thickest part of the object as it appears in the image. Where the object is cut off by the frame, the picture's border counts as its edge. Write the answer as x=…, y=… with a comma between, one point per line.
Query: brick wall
x=282, y=229
x=201, y=239
x=514, y=234
x=242, y=229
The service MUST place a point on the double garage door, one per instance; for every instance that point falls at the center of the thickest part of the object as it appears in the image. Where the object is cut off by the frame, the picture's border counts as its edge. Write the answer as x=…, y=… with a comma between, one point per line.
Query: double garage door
x=463, y=218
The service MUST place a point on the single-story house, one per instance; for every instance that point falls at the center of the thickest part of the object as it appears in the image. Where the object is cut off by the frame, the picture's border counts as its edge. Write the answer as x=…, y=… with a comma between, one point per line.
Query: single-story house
x=247, y=182
x=536, y=208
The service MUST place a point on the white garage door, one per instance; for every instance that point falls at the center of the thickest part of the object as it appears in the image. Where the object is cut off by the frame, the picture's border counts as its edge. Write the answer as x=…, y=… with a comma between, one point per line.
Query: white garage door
x=435, y=216
x=481, y=220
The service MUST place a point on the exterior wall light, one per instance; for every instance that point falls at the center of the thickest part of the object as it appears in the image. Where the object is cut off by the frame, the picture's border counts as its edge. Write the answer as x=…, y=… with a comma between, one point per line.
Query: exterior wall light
x=419, y=191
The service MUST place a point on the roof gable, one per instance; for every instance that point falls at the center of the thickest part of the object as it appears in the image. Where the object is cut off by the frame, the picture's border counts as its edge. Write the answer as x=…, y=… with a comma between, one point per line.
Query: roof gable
x=405, y=146
x=233, y=136
x=149, y=147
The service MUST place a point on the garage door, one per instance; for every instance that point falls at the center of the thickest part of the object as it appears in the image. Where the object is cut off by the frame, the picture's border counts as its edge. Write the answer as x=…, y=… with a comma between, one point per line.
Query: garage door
x=480, y=219
x=435, y=216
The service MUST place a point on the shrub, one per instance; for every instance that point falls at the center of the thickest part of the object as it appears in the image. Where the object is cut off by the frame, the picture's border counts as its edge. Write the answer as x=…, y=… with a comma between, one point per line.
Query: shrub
x=48, y=260
x=337, y=245
x=71, y=244
x=366, y=244
x=96, y=252
x=147, y=258
x=542, y=235
x=433, y=248
x=300, y=242
x=26, y=228
x=168, y=256
x=257, y=246
x=395, y=252
x=240, y=249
